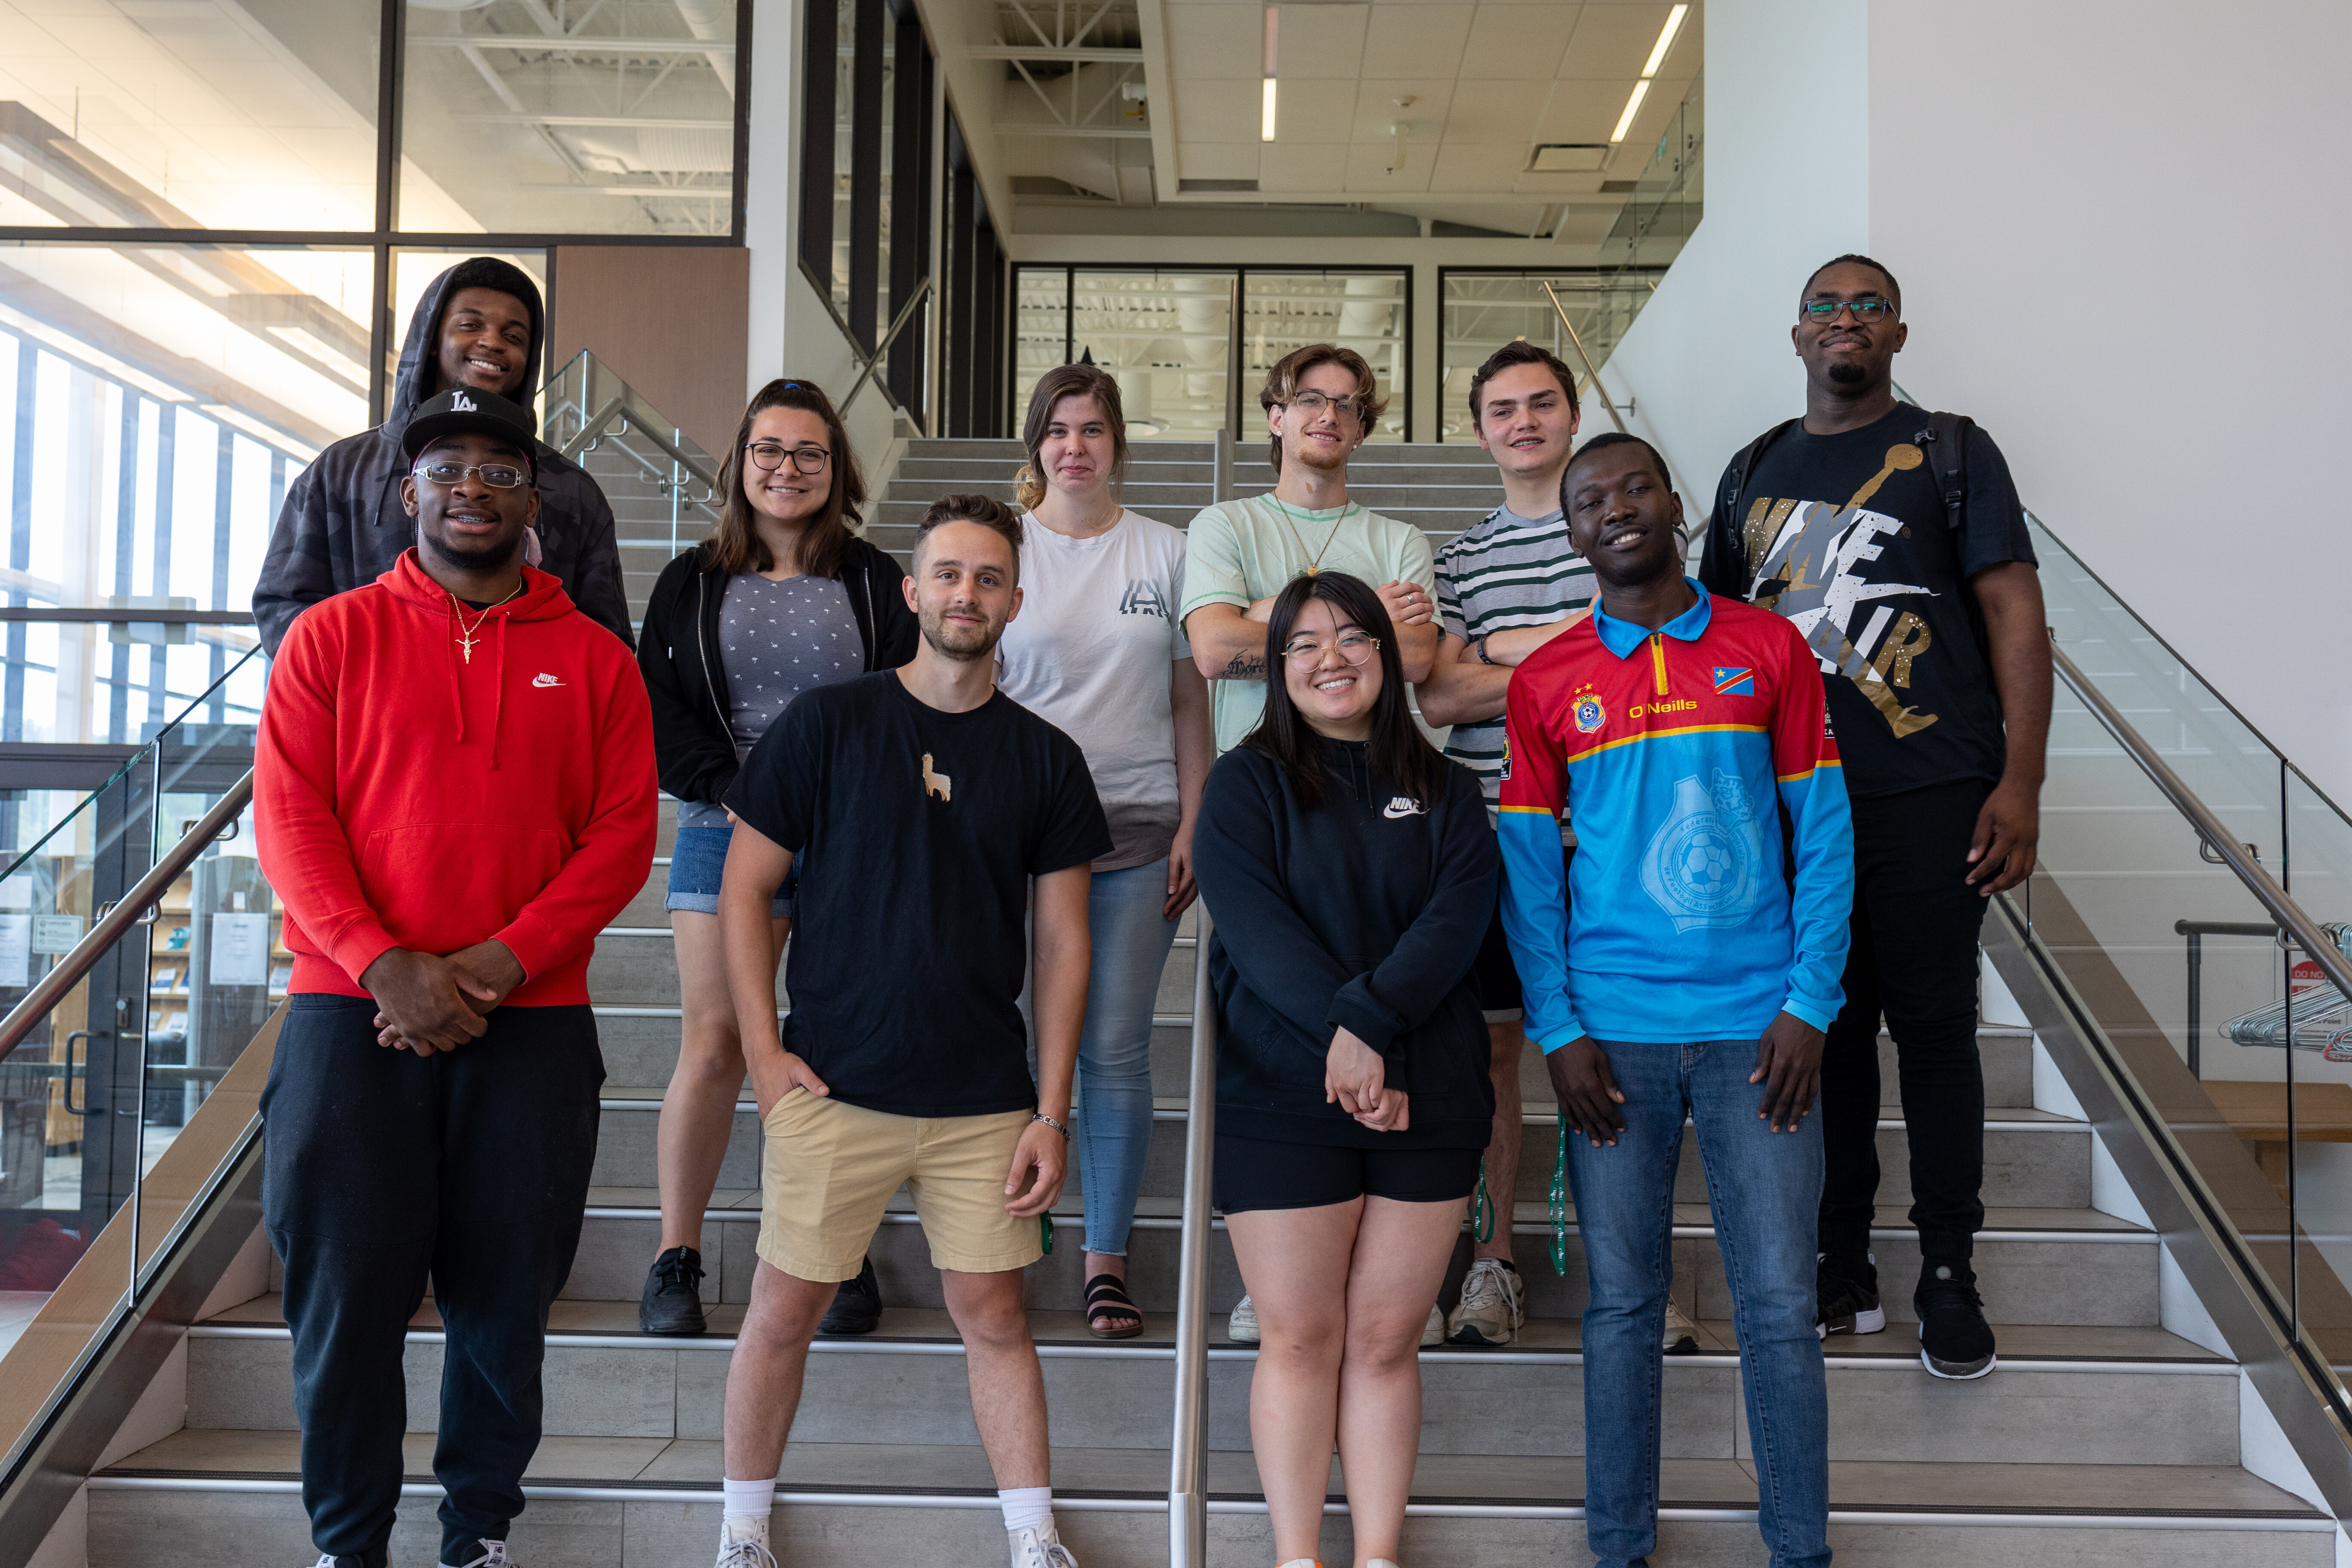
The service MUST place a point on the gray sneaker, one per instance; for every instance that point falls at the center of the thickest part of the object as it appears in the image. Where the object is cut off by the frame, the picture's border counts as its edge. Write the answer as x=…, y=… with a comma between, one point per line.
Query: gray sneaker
x=745, y=1554
x=494, y=1555
x=1493, y=1307
x=1242, y=1327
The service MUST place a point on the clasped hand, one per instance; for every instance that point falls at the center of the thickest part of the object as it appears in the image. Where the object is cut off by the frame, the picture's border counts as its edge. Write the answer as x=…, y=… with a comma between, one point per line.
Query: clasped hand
x=428, y=1003
x=1356, y=1078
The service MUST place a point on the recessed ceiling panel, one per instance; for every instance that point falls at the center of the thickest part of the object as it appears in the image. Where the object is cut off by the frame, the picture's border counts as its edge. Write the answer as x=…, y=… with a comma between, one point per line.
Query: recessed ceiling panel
x=1415, y=41
x=1517, y=43
x=1215, y=40
x=1321, y=41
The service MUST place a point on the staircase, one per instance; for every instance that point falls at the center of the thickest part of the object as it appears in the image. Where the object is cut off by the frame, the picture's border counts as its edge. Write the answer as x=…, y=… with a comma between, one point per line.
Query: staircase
x=2103, y=1438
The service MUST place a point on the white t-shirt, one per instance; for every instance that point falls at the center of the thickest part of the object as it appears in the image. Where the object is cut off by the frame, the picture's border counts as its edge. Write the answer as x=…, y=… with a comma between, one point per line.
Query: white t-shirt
x=1089, y=653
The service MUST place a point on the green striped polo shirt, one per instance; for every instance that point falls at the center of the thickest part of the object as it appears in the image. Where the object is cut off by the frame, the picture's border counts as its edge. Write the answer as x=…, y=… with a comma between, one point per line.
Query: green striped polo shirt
x=1509, y=571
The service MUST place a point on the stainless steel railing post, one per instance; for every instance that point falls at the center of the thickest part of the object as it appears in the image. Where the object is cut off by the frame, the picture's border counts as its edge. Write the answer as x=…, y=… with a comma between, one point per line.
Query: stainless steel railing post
x=1188, y=1490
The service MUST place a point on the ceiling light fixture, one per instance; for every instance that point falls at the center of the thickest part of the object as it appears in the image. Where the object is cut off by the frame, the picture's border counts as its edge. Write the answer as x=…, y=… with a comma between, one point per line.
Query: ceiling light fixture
x=1665, y=40
x=1273, y=39
x=1632, y=107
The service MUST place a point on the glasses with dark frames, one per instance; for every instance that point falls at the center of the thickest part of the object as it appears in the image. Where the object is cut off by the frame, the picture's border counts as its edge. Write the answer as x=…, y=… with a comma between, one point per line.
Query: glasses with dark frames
x=770, y=456
x=1822, y=312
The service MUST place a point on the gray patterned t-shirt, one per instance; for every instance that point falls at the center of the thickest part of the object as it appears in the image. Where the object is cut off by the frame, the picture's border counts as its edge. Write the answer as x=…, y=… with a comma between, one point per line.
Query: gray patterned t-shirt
x=777, y=640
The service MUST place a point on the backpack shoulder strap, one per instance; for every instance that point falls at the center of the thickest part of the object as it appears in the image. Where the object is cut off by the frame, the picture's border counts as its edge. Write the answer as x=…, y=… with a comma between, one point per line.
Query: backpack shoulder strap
x=1946, y=441
x=1728, y=517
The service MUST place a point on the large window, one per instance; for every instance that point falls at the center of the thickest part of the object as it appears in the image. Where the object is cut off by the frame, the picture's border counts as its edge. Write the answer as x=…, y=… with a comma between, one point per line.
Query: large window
x=865, y=180
x=1171, y=336
x=212, y=236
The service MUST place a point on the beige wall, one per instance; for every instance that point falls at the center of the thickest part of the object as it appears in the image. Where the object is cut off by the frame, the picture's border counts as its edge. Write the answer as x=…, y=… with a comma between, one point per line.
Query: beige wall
x=671, y=322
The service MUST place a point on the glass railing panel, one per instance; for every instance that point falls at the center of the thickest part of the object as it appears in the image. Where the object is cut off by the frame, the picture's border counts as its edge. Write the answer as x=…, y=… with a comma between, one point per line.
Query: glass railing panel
x=97, y=1091
x=1666, y=201
x=664, y=488
x=1485, y=310
x=2239, y=1042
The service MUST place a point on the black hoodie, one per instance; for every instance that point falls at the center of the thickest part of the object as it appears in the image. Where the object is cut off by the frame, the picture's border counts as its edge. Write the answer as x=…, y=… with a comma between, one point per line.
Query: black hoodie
x=1365, y=913
x=342, y=526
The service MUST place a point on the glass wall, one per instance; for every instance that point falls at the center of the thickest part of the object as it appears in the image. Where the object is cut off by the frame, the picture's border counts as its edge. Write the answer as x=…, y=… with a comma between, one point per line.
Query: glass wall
x=1172, y=335
x=865, y=177
x=1484, y=310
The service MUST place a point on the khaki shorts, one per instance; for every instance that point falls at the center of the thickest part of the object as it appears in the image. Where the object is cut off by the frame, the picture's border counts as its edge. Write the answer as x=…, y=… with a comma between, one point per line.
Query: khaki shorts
x=828, y=1170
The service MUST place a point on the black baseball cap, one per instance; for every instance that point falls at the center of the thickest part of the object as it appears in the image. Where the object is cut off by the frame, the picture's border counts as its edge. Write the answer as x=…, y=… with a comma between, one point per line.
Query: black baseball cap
x=462, y=410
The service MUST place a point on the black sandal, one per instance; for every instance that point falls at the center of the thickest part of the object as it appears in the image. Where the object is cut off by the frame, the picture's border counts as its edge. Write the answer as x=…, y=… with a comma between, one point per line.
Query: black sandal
x=1107, y=1297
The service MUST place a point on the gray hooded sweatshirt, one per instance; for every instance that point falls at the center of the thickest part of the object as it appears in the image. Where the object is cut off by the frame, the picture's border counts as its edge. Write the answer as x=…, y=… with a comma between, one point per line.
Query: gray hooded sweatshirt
x=343, y=525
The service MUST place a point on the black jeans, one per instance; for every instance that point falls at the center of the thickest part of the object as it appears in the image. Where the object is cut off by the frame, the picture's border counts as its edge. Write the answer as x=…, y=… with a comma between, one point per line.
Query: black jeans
x=383, y=1168
x=1914, y=958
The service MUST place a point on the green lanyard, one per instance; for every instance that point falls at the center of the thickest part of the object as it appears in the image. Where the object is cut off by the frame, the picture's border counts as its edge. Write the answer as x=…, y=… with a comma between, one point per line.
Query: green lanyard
x=1560, y=1205
x=1482, y=1210
x=1045, y=1231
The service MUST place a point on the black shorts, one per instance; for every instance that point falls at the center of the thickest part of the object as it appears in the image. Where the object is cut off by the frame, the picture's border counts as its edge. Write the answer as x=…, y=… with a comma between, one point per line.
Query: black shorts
x=1256, y=1173
x=1498, y=976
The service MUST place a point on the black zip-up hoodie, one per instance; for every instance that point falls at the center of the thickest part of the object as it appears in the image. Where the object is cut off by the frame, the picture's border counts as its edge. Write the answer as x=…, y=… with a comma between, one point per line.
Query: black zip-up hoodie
x=1365, y=913
x=694, y=750
x=342, y=526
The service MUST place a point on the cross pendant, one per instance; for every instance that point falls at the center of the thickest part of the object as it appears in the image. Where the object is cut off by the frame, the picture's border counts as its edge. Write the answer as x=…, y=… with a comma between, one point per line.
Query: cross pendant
x=466, y=644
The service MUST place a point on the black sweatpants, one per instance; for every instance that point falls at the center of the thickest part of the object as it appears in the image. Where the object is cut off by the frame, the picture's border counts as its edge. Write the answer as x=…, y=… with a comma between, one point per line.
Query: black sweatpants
x=383, y=1168
x=1914, y=958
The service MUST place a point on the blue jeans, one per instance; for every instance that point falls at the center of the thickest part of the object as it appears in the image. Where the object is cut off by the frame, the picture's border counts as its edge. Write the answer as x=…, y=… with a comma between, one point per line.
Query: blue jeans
x=1114, y=1097
x=1765, y=1189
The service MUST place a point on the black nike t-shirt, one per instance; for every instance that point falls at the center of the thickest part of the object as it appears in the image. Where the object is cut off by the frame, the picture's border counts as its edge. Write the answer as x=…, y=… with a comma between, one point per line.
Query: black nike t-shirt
x=920, y=830
x=1847, y=536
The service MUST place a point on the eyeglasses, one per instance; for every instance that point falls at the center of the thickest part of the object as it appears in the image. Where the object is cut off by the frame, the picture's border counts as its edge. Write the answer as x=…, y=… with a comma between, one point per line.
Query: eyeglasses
x=1823, y=311
x=1313, y=404
x=1356, y=647
x=770, y=454
x=498, y=475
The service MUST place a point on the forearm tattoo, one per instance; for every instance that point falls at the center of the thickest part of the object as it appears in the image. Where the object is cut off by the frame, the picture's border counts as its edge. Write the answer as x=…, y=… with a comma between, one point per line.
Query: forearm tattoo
x=1246, y=666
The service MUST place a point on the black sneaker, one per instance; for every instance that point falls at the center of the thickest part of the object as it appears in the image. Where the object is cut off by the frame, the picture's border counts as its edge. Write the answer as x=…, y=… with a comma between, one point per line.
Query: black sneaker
x=1845, y=1295
x=1955, y=1340
x=672, y=1303
x=857, y=1306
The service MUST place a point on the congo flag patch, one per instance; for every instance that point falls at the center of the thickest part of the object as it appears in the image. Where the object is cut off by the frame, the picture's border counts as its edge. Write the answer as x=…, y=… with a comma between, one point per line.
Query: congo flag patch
x=1735, y=681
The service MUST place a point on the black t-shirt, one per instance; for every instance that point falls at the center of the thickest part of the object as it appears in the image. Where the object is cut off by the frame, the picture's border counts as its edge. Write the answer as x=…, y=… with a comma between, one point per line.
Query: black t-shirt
x=1847, y=536
x=921, y=831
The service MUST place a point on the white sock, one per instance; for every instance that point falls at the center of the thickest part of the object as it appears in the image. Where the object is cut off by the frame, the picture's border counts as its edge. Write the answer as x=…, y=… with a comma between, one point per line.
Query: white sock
x=1026, y=1508
x=748, y=1504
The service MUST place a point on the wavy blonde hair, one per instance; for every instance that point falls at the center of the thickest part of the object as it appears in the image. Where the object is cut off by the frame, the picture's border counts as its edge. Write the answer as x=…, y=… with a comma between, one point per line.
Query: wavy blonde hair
x=1069, y=381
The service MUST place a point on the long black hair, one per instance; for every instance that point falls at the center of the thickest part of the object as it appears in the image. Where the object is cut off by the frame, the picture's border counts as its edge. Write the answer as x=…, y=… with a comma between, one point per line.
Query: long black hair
x=1400, y=756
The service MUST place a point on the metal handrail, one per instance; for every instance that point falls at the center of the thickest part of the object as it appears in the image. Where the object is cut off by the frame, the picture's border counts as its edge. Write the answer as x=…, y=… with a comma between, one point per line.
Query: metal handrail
x=1590, y=369
x=612, y=407
x=127, y=912
x=2306, y=932
x=1188, y=1490
x=882, y=350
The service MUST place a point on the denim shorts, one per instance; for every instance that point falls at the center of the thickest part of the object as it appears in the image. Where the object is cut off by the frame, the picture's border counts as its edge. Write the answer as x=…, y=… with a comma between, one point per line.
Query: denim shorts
x=695, y=863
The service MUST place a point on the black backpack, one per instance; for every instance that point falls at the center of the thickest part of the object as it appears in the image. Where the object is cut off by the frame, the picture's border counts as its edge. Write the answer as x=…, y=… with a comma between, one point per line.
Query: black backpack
x=1944, y=440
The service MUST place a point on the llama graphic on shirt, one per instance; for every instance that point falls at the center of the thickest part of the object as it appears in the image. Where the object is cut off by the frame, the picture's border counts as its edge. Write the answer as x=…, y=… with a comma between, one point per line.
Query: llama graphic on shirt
x=935, y=783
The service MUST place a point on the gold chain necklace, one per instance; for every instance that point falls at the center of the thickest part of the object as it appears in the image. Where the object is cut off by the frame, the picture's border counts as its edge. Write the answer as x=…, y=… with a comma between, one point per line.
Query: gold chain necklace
x=1315, y=565
x=466, y=638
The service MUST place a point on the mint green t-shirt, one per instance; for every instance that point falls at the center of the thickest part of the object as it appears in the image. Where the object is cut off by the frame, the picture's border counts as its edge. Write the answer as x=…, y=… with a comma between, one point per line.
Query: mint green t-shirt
x=1239, y=552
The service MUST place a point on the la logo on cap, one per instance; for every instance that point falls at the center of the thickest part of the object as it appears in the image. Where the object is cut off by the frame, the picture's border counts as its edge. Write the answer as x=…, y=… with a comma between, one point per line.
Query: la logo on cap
x=461, y=404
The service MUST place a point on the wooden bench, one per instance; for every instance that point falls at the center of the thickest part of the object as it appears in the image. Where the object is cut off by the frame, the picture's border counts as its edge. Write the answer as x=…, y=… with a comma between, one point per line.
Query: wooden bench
x=2256, y=1112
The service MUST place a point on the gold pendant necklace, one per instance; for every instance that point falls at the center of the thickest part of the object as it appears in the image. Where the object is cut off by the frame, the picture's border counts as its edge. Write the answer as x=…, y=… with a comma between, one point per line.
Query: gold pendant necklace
x=466, y=638
x=1315, y=565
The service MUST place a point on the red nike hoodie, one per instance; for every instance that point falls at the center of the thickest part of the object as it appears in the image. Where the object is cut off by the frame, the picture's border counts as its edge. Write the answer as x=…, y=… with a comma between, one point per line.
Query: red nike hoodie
x=407, y=795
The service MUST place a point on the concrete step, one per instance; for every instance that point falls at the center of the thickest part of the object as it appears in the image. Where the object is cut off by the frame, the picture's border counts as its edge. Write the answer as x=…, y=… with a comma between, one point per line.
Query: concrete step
x=198, y=1498
x=2111, y=1395
x=2063, y=1266
x=2032, y=1159
x=1175, y=497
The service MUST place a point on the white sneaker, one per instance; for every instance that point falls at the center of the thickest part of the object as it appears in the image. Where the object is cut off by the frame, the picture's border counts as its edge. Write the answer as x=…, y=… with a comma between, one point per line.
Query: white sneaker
x=1041, y=1548
x=1302, y=1563
x=494, y=1555
x=1432, y=1332
x=1493, y=1305
x=1682, y=1334
x=1242, y=1327
x=743, y=1544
